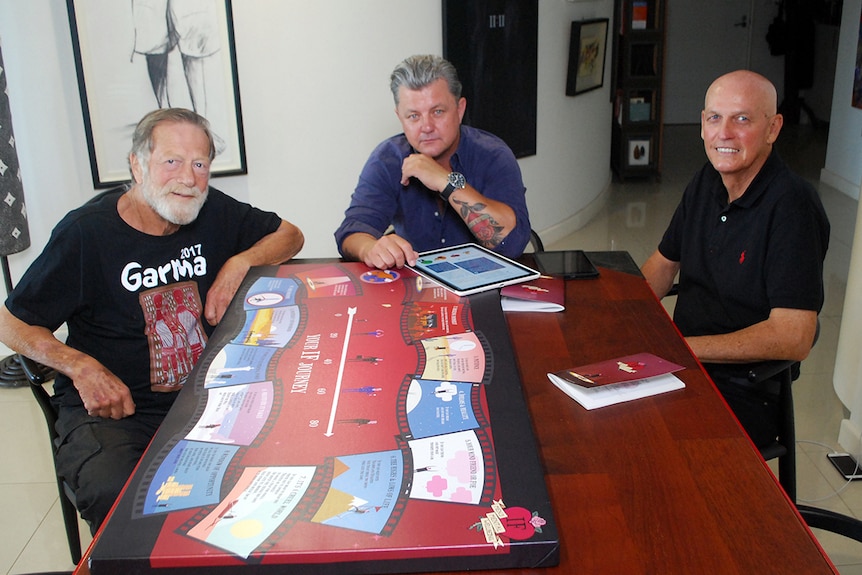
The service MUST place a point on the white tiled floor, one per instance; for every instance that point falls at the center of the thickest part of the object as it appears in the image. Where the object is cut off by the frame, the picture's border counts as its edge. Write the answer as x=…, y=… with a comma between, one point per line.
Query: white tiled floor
x=32, y=538
x=31, y=529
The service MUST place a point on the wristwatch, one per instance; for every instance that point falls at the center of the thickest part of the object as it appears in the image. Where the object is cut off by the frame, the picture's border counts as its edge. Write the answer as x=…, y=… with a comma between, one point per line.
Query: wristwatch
x=456, y=182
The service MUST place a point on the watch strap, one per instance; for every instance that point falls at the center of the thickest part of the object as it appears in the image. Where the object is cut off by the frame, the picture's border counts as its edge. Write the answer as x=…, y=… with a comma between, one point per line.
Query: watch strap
x=447, y=191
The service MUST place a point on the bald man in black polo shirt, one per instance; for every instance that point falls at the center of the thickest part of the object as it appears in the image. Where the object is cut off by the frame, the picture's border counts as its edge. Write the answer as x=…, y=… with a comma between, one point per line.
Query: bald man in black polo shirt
x=748, y=241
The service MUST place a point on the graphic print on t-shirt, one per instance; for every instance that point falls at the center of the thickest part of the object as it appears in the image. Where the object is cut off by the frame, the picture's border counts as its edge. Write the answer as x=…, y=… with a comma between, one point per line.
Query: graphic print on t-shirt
x=174, y=331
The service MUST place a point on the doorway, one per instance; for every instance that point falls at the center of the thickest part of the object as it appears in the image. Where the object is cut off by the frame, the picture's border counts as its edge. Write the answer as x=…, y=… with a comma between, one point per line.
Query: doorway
x=705, y=39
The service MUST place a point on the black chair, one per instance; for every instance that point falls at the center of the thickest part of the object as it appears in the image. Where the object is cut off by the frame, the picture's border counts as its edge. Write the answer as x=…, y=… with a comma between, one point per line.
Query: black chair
x=831, y=521
x=38, y=375
x=535, y=242
x=784, y=447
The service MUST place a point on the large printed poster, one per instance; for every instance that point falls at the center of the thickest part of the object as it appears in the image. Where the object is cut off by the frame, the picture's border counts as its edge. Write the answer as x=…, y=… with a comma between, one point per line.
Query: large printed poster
x=345, y=414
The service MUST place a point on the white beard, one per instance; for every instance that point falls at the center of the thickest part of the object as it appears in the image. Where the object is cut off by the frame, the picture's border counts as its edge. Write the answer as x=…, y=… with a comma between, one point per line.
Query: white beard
x=178, y=212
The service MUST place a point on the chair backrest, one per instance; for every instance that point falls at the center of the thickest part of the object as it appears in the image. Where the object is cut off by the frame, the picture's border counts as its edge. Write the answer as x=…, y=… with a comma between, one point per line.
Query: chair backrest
x=37, y=376
x=535, y=244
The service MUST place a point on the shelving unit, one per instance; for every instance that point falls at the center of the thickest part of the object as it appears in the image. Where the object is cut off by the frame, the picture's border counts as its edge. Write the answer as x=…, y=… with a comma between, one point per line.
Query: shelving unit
x=638, y=76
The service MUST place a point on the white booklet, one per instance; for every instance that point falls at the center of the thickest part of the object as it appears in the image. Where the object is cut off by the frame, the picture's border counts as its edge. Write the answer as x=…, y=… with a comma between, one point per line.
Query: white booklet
x=593, y=397
x=618, y=380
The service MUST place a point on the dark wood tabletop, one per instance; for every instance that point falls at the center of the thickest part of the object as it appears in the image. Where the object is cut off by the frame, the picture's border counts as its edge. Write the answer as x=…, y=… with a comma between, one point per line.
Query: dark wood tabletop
x=664, y=484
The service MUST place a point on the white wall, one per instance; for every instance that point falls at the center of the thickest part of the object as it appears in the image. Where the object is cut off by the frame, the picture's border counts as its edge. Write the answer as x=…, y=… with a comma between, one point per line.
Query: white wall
x=313, y=78
x=843, y=168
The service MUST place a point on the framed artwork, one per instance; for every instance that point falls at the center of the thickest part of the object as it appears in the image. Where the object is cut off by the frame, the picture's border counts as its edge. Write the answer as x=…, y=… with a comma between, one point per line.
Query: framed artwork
x=587, y=45
x=639, y=151
x=134, y=57
x=494, y=45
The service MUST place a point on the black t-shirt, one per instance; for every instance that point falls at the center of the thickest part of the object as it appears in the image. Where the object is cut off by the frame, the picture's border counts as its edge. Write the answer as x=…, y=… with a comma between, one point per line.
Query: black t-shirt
x=131, y=300
x=738, y=261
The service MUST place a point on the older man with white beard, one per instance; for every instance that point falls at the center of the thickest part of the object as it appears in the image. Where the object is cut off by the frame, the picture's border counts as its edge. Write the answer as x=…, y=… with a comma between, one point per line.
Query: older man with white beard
x=133, y=274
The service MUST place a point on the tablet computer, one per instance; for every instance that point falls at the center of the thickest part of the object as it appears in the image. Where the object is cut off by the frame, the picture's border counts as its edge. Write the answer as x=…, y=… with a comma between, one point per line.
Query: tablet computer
x=470, y=268
x=568, y=264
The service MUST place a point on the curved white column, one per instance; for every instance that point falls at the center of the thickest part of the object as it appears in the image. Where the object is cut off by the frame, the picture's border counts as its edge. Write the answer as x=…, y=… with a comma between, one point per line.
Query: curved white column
x=847, y=377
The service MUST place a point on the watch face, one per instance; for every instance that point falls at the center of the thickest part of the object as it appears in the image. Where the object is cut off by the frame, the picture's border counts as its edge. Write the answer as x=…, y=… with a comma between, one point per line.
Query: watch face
x=457, y=180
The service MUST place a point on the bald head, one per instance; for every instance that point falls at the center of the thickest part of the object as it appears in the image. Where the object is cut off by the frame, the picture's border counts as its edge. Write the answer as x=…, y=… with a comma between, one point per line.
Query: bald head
x=739, y=125
x=748, y=85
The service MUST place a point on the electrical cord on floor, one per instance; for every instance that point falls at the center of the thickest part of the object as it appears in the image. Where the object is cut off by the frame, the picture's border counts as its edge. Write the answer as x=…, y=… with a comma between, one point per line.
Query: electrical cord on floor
x=838, y=491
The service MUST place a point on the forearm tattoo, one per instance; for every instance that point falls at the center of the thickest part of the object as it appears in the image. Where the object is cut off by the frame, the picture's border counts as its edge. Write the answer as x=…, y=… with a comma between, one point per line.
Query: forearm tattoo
x=482, y=225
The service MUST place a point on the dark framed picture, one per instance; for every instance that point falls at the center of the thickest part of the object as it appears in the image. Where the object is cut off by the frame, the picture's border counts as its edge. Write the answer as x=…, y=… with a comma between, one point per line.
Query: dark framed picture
x=494, y=45
x=640, y=151
x=134, y=57
x=587, y=45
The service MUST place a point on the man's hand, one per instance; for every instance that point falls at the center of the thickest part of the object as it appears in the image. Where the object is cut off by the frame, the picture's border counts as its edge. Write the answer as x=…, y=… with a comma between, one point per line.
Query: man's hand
x=272, y=249
x=224, y=287
x=390, y=251
x=425, y=169
x=103, y=394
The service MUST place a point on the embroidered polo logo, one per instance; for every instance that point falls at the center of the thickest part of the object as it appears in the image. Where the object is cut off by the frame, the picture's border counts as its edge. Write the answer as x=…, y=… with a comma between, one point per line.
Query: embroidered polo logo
x=742, y=257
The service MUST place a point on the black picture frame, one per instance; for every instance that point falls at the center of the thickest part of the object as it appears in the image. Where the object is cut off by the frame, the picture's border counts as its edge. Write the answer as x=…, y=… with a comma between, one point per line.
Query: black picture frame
x=639, y=150
x=494, y=46
x=130, y=61
x=587, y=46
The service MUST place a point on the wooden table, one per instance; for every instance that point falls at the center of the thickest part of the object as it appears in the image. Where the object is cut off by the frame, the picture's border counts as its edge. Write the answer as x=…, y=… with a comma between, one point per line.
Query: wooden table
x=665, y=484
x=668, y=484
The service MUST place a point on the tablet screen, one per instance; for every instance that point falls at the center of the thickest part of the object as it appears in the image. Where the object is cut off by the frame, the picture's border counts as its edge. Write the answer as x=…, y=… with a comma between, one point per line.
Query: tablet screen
x=568, y=264
x=470, y=268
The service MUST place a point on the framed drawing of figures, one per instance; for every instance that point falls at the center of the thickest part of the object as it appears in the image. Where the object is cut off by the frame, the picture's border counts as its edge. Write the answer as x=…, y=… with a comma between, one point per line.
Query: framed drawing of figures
x=135, y=56
x=494, y=46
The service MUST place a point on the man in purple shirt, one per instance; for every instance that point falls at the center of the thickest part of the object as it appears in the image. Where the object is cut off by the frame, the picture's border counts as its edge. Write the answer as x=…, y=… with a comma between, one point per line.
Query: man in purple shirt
x=439, y=183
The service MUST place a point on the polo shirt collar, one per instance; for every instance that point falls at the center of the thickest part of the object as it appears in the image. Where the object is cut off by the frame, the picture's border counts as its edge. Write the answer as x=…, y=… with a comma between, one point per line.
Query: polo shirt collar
x=758, y=185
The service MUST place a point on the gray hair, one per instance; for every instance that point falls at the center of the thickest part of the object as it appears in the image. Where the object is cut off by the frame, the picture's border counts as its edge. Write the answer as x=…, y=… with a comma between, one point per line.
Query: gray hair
x=418, y=71
x=142, y=138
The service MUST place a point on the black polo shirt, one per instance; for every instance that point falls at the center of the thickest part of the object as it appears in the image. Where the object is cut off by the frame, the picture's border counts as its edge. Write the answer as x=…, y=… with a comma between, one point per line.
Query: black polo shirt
x=738, y=261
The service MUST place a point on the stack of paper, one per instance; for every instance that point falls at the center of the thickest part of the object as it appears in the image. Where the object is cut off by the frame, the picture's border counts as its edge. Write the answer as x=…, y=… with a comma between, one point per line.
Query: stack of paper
x=618, y=380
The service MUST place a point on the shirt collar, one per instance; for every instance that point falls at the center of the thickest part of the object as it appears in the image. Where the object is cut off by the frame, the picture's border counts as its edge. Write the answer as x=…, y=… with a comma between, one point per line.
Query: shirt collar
x=762, y=180
x=771, y=168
